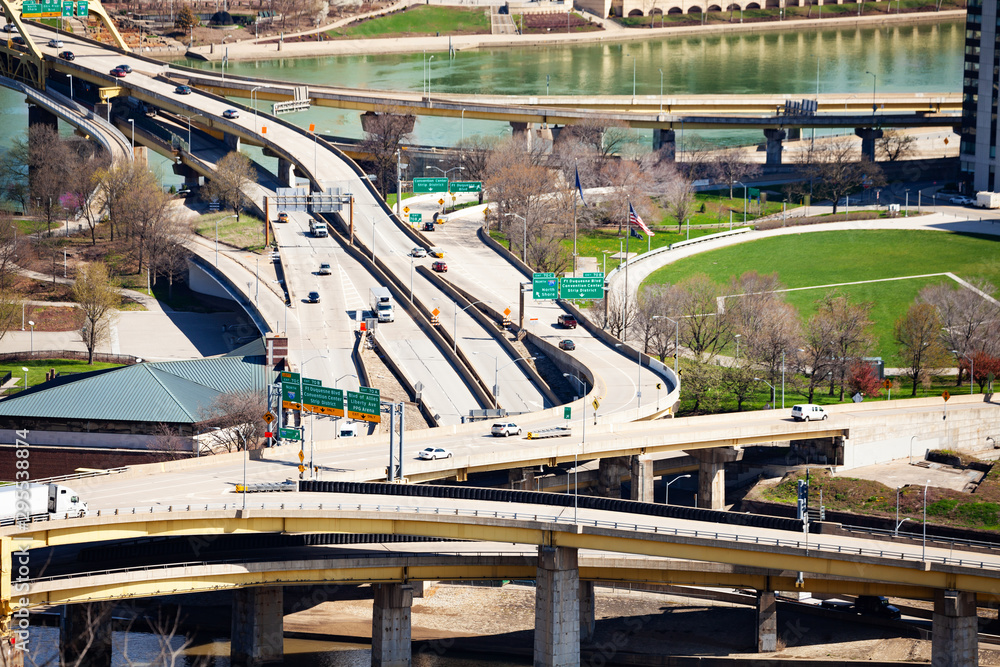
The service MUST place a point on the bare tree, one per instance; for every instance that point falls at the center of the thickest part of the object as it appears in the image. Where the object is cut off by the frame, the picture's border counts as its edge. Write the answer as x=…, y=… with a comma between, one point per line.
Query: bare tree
x=967, y=317
x=603, y=138
x=818, y=356
x=895, y=145
x=749, y=297
x=519, y=184
x=234, y=175
x=616, y=313
x=83, y=184
x=732, y=165
x=385, y=131
x=116, y=183
x=849, y=326
x=239, y=416
x=836, y=169
x=474, y=152
x=703, y=330
x=776, y=343
x=98, y=297
x=147, y=214
x=917, y=334
x=677, y=196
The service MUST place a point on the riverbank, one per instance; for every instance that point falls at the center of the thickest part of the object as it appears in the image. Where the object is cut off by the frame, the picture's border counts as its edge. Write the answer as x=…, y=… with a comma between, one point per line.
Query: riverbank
x=250, y=50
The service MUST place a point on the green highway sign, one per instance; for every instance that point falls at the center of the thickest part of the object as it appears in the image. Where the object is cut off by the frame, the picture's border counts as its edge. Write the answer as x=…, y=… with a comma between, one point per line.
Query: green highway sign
x=31, y=10
x=754, y=192
x=364, y=405
x=467, y=186
x=82, y=9
x=567, y=412
x=430, y=185
x=589, y=286
x=416, y=217
x=290, y=396
x=289, y=434
x=287, y=376
x=51, y=9
x=544, y=286
x=67, y=8
x=310, y=381
x=323, y=400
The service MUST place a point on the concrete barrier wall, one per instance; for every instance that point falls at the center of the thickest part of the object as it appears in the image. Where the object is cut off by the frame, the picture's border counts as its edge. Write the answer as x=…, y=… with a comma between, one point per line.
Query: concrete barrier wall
x=230, y=290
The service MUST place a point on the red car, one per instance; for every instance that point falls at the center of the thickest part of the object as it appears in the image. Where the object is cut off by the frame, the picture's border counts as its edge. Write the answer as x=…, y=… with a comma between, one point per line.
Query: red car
x=119, y=72
x=440, y=267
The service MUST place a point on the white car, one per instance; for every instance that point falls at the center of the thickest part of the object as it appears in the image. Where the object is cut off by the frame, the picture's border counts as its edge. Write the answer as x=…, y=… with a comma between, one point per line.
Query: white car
x=56, y=43
x=505, y=429
x=434, y=453
x=960, y=201
x=418, y=252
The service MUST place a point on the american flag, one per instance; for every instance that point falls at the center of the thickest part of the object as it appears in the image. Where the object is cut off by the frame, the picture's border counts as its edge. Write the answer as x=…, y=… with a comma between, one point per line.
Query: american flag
x=634, y=219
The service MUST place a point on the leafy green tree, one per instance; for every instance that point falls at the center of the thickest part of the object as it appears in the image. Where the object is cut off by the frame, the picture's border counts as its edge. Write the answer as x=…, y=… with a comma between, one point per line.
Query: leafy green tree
x=186, y=19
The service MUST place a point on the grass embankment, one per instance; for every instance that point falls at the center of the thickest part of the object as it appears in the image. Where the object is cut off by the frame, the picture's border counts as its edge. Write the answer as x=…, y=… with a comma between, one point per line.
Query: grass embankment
x=37, y=368
x=828, y=258
x=246, y=234
x=418, y=21
x=862, y=496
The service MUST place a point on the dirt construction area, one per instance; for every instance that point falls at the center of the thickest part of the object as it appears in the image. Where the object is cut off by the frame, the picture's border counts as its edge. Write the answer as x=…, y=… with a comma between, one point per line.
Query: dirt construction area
x=464, y=619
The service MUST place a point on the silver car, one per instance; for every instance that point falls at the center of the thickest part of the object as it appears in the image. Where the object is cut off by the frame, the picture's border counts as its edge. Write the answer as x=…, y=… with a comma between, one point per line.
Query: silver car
x=434, y=453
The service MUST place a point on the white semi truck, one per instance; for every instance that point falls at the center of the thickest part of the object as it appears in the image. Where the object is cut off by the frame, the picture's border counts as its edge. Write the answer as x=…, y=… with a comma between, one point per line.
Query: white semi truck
x=27, y=502
x=382, y=305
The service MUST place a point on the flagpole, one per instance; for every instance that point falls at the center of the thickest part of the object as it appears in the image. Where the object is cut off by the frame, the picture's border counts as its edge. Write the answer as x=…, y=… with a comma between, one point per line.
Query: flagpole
x=628, y=237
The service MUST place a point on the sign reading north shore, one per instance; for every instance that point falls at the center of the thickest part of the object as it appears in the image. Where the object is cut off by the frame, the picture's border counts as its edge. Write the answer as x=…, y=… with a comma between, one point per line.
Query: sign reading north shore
x=363, y=405
x=544, y=286
x=289, y=434
x=323, y=400
x=589, y=286
x=425, y=185
x=31, y=10
x=467, y=186
x=416, y=217
x=290, y=396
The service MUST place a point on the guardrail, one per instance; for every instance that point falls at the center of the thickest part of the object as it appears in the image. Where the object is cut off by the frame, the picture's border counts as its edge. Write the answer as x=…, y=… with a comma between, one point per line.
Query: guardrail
x=72, y=476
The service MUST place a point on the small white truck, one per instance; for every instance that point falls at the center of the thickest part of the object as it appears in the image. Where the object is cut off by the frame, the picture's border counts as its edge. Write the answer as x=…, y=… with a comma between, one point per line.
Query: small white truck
x=382, y=304
x=27, y=502
x=988, y=199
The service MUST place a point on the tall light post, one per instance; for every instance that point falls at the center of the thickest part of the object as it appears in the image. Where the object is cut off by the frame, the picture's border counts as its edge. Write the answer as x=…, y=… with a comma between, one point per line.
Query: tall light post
x=773, y=392
x=427, y=63
x=253, y=101
x=463, y=125
x=638, y=378
x=583, y=442
x=744, y=200
x=677, y=337
x=738, y=347
x=524, y=237
x=25, y=369
x=189, y=134
x=874, y=84
x=972, y=369
x=225, y=58
x=782, y=379
x=923, y=548
x=661, y=91
x=31, y=339
x=666, y=489
x=132, y=123
x=217, y=237
x=400, y=166
x=454, y=328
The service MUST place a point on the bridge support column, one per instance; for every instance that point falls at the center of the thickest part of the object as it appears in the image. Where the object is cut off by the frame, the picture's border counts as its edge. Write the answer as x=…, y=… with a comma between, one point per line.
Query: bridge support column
x=609, y=476
x=232, y=141
x=712, y=475
x=642, y=478
x=955, y=633
x=38, y=117
x=391, y=625
x=774, y=138
x=85, y=634
x=557, y=608
x=286, y=172
x=767, y=622
x=868, y=137
x=522, y=478
x=588, y=611
x=665, y=142
x=521, y=133
x=258, y=626
x=376, y=123
x=794, y=133
x=191, y=177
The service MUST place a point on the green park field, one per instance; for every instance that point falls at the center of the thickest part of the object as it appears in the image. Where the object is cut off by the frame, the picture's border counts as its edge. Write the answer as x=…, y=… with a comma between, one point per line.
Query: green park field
x=815, y=260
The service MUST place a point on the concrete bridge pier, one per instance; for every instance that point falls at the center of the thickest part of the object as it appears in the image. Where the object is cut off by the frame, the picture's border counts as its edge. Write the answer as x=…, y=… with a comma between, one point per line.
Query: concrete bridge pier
x=521, y=478
x=191, y=177
x=557, y=608
x=521, y=133
x=642, y=478
x=609, y=476
x=955, y=633
x=767, y=622
x=588, y=611
x=39, y=117
x=232, y=141
x=257, y=626
x=774, y=138
x=391, y=646
x=794, y=133
x=286, y=172
x=85, y=634
x=868, y=137
x=712, y=474
x=664, y=141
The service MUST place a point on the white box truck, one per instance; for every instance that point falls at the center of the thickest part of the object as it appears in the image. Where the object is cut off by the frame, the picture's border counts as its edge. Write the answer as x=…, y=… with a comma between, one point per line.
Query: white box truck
x=24, y=502
x=382, y=305
x=988, y=199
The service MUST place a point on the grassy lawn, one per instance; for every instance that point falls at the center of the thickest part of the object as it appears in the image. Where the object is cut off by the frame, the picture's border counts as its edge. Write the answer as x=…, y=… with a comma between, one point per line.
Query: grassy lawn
x=247, y=234
x=823, y=258
x=37, y=368
x=423, y=20
x=390, y=199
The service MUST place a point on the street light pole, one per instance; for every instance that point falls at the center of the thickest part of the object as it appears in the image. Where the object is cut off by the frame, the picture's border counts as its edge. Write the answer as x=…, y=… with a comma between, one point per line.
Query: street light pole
x=874, y=84
x=132, y=122
x=738, y=348
x=923, y=548
x=31, y=339
x=768, y=384
x=666, y=495
x=782, y=379
x=972, y=369
x=661, y=91
x=253, y=100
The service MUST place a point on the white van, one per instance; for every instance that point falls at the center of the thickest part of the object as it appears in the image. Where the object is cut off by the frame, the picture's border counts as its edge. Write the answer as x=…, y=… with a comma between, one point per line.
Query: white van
x=349, y=430
x=808, y=412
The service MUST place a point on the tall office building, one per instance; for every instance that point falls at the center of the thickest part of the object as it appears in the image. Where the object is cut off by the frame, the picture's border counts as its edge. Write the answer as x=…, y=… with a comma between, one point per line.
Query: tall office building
x=978, y=153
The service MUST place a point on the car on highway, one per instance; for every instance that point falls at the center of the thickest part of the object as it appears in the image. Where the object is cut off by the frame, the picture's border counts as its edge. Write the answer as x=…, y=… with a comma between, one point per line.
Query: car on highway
x=436, y=252
x=434, y=453
x=56, y=43
x=17, y=39
x=282, y=217
x=127, y=68
x=505, y=429
x=865, y=605
x=418, y=252
x=567, y=345
x=439, y=267
x=961, y=201
x=567, y=321
x=118, y=72
x=313, y=297
x=231, y=114
x=428, y=225
x=808, y=412
x=9, y=27
x=324, y=269
x=183, y=90
x=67, y=55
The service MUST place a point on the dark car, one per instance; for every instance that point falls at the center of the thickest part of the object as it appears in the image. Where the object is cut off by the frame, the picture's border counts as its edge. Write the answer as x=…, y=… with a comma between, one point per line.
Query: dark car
x=429, y=226
x=67, y=55
x=567, y=321
x=313, y=297
x=118, y=72
x=183, y=90
x=127, y=68
x=231, y=114
x=567, y=345
x=440, y=267
x=17, y=39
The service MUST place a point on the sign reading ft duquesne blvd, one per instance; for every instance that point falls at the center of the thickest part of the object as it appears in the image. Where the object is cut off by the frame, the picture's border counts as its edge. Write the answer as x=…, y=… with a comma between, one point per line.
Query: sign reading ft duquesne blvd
x=299, y=393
